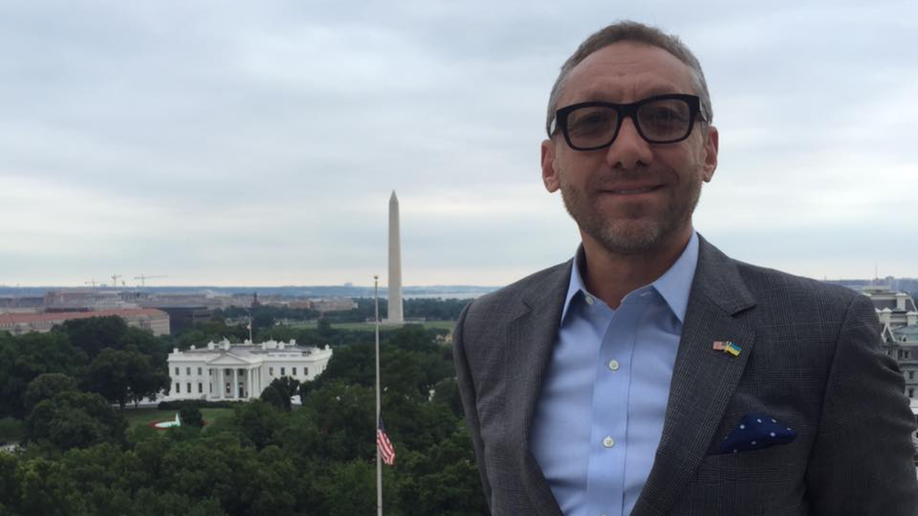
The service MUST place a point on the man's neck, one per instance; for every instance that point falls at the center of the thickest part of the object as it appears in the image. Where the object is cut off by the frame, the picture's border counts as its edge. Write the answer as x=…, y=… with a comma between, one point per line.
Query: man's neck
x=611, y=276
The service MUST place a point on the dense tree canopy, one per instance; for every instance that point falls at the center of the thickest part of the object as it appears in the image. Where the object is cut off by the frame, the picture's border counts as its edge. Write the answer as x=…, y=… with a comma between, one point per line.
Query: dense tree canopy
x=46, y=386
x=317, y=459
x=74, y=420
x=122, y=376
x=24, y=358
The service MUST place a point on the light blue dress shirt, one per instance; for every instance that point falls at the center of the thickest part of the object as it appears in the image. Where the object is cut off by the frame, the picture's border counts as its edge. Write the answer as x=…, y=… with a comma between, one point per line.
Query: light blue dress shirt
x=600, y=415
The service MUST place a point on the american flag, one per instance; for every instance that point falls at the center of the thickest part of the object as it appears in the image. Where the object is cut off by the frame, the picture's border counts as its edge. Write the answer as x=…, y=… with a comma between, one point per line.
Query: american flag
x=385, y=447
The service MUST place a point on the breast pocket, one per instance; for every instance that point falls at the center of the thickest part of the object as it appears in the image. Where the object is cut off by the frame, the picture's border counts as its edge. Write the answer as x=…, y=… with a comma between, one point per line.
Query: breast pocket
x=767, y=482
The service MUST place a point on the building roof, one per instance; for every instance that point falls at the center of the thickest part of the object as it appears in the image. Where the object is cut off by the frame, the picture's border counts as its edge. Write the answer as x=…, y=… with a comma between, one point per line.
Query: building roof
x=11, y=318
x=910, y=331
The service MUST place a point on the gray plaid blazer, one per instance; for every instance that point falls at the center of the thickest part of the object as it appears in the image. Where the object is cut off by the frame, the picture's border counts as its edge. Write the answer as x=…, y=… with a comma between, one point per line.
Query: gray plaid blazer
x=810, y=358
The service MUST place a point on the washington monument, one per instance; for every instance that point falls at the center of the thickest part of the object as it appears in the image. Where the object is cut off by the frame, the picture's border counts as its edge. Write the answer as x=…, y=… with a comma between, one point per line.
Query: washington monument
x=396, y=315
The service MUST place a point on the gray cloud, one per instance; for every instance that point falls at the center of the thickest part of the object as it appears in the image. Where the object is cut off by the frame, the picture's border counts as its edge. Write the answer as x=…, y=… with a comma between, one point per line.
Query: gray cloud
x=258, y=142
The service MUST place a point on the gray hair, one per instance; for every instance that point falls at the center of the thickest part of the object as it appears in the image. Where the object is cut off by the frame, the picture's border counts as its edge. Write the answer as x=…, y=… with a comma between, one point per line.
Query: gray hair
x=639, y=33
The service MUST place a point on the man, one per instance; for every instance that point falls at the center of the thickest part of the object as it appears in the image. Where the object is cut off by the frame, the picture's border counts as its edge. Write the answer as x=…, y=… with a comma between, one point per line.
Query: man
x=652, y=374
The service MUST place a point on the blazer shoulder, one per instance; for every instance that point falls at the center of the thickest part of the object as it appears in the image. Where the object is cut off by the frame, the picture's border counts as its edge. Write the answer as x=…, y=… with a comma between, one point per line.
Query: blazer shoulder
x=808, y=298
x=509, y=298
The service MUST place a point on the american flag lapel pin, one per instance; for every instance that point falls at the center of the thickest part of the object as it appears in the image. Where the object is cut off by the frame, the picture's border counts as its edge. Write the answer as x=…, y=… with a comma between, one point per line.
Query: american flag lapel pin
x=719, y=346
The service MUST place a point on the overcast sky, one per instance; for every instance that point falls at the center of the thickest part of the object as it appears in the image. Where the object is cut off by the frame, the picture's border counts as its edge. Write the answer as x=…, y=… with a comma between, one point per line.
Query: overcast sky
x=257, y=143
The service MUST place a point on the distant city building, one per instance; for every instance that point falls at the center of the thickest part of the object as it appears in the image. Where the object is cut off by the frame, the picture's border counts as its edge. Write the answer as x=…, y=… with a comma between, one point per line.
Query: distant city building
x=333, y=304
x=225, y=371
x=91, y=299
x=185, y=317
x=899, y=329
x=155, y=321
x=23, y=304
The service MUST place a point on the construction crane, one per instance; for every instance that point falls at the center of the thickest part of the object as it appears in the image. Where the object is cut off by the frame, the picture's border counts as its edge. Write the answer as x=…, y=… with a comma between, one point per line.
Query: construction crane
x=91, y=282
x=143, y=279
x=115, y=280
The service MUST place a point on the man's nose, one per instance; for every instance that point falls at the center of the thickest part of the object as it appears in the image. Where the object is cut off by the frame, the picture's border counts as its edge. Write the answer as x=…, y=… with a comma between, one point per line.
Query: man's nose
x=629, y=150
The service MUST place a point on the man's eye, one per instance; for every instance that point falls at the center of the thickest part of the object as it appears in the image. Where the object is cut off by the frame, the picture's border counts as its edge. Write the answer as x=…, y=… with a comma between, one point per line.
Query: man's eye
x=591, y=122
x=664, y=115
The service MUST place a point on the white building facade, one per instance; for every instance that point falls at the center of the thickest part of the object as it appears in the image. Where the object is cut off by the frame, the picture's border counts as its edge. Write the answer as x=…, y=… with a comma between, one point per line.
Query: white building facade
x=239, y=372
x=898, y=317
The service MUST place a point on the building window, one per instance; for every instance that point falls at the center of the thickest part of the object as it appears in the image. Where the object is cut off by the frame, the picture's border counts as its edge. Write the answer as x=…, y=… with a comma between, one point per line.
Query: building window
x=199, y=371
x=178, y=388
x=283, y=371
x=306, y=371
x=200, y=388
x=189, y=387
x=177, y=371
x=294, y=371
x=210, y=388
x=188, y=371
x=911, y=375
x=210, y=372
x=911, y=393
x=270, y=371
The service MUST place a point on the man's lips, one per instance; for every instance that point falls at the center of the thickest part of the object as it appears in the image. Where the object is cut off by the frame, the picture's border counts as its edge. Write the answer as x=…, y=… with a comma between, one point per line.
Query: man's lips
x=630, y=189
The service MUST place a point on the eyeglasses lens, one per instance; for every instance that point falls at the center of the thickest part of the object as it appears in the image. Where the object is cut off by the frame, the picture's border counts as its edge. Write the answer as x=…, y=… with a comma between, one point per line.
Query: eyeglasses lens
x=665, y=120
x=658, y=121
x=592, y=126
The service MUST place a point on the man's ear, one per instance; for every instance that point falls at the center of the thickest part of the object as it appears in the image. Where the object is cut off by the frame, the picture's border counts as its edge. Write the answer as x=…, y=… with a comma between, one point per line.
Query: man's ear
x=549, y=173
x=710, y=153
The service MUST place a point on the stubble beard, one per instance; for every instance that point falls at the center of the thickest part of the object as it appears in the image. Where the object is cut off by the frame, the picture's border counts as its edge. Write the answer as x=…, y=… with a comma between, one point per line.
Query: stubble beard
x=635, y=231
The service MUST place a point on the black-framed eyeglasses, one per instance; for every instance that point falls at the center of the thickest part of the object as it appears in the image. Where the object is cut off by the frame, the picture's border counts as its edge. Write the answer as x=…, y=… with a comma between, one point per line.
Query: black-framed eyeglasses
x=659, y=119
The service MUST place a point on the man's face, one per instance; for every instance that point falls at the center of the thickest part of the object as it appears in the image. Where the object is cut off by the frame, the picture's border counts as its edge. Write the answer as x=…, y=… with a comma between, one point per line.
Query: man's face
x=634, y=196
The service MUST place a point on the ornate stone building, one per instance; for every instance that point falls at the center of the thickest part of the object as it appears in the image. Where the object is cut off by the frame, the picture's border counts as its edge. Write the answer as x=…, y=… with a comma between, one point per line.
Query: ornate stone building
x=899, y=329
x=225, y=371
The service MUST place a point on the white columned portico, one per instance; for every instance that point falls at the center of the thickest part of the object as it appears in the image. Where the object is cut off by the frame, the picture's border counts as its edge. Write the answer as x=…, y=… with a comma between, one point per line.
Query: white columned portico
x=248, y=382
x=235, y=389
x=218, y=374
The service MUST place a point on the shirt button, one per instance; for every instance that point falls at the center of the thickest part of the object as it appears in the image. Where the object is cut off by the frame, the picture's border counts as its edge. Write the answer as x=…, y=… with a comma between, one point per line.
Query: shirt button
x=613, y=365
x=589, y=300
x=608, y=442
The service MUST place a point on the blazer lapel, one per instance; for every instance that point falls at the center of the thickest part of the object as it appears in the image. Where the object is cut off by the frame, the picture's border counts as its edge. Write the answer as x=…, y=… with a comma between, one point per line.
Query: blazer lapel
x=703, y=379
x=530, y=340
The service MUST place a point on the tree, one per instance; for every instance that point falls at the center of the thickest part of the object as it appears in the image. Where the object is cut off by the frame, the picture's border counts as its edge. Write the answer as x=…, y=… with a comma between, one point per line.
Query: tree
x=121, y=376
x=279, y=392
x=191, y=416
x=75, y=420
x=94, y=334
x=325, y=329
x=24, y=358
x=258, y=421
x=46, y=386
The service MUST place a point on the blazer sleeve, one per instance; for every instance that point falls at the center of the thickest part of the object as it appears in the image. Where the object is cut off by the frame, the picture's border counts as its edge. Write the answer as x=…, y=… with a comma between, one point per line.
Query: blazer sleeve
x=467, y=393
x=861, y=463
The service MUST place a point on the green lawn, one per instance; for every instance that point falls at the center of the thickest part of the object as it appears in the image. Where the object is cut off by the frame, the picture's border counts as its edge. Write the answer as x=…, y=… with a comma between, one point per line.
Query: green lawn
x=147, y=416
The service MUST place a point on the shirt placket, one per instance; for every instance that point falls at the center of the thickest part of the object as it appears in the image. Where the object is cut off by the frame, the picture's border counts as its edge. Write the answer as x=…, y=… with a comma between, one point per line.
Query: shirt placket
x=611, y=393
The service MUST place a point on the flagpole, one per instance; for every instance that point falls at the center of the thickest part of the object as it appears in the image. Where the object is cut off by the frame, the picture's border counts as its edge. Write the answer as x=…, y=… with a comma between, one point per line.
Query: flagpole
x=376, y=432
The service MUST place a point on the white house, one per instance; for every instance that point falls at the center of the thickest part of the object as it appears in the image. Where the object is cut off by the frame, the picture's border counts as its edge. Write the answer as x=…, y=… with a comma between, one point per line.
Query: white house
x=211, y=373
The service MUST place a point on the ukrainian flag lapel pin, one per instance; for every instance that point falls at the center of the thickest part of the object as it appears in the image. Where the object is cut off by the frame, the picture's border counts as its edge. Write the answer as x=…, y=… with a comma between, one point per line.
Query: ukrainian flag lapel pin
x=733, y=349
x=728, y=347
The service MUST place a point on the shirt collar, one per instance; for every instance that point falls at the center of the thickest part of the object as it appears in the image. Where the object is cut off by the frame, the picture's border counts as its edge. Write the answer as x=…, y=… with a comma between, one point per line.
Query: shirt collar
x=673, y=286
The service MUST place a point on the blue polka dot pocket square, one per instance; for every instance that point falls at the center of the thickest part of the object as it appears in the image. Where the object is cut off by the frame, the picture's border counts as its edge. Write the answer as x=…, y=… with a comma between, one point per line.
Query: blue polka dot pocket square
x=756, y=432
